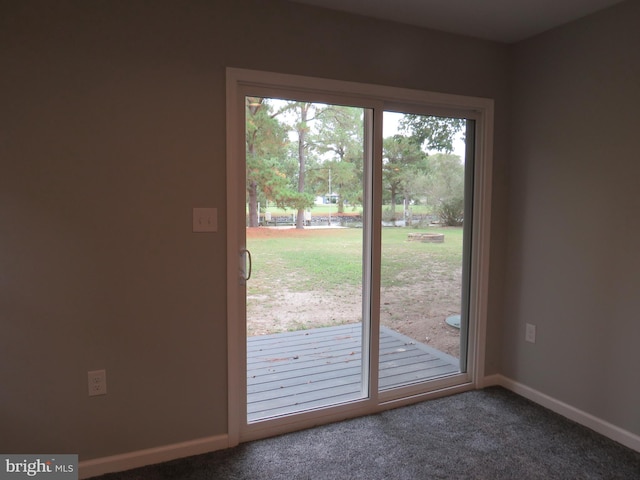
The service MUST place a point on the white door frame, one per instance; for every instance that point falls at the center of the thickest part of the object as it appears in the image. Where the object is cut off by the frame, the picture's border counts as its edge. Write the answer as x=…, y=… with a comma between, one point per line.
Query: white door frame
x=366, y=95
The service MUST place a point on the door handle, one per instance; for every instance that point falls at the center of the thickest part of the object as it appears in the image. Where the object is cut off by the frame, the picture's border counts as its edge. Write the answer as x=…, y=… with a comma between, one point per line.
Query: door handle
x=246, y=254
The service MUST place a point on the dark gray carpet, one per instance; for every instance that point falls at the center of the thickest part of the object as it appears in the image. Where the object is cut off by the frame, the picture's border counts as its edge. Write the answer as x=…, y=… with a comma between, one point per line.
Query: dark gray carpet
x=488, y=434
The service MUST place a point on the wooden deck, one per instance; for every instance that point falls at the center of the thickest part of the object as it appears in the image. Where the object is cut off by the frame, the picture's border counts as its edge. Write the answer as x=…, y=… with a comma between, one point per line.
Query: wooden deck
x=295, y=371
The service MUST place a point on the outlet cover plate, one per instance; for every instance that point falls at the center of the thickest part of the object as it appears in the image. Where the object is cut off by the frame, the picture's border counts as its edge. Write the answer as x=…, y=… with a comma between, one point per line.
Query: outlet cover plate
x=530, y=333
x=205, y=219
x=97, y=380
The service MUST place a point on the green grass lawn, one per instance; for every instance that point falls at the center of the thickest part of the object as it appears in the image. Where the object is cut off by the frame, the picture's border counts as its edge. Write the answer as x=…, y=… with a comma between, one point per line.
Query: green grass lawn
x=330, y=259
x=402, y=259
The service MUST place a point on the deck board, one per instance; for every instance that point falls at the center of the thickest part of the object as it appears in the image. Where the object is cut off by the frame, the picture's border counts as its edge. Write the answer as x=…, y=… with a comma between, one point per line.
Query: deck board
x=294, y=371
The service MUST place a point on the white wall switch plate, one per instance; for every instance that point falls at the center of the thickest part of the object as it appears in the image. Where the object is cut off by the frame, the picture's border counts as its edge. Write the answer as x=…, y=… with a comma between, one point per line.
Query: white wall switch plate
x=205, y=219
x=97, y=382
x=530, y=333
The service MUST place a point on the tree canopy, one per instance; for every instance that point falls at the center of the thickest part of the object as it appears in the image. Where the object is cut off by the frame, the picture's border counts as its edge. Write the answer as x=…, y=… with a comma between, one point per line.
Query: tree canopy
x=300, y=151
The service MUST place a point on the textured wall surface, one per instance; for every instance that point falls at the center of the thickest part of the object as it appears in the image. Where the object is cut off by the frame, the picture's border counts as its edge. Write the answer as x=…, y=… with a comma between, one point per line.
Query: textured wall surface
x=112, y=129
x=573, y=262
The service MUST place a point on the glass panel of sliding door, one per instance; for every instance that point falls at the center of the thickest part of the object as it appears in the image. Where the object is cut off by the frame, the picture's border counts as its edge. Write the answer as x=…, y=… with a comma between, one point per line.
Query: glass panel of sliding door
x=423, y=249
x=306, y=196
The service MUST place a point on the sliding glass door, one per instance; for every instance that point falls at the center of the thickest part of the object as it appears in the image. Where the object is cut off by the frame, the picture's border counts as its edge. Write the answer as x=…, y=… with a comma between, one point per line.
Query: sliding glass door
x=355, y=259
x=308, y=236
x=425, y=248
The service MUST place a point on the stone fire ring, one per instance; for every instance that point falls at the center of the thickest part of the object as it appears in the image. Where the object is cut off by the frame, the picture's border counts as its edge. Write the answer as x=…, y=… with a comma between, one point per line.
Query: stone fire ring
x=426, y=237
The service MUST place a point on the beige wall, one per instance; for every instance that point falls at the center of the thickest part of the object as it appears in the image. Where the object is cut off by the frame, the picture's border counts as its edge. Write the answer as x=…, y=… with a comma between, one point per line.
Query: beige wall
x=574, y=224
x=112, y=129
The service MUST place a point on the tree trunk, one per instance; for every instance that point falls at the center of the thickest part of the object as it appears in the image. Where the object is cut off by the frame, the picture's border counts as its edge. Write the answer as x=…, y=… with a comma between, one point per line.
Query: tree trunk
x=253, y=186
x=253, y=205
x=340, y=202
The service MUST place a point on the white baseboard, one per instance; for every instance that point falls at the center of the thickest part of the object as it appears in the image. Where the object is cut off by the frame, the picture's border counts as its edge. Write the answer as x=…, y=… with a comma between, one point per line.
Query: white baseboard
x=603, y=427
x=140, y=458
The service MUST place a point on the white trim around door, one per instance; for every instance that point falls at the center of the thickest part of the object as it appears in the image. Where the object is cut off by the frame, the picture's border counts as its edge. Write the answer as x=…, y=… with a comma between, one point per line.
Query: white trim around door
x=247, y=82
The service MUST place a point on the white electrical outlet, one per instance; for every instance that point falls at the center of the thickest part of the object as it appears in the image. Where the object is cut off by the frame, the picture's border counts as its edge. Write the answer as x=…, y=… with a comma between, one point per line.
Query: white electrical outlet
x=530, y=333
x=97, y=382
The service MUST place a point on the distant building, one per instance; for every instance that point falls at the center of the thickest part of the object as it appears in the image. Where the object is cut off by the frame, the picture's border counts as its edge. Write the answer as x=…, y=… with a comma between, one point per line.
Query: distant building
x=329, y=198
